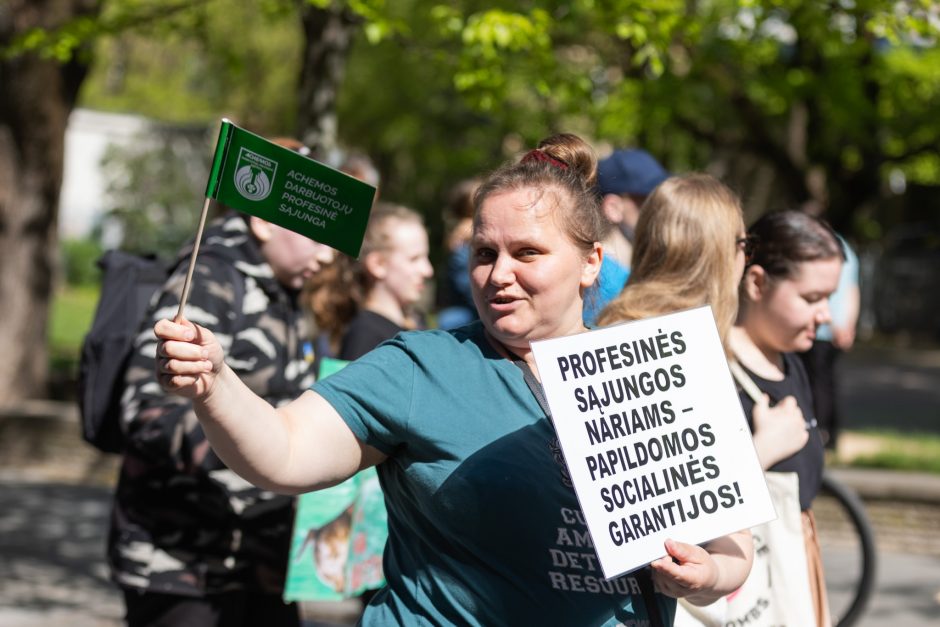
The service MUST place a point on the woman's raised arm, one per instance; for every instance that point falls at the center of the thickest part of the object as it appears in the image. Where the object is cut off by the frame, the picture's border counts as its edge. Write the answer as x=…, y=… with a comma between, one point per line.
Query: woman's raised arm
x=302, y=446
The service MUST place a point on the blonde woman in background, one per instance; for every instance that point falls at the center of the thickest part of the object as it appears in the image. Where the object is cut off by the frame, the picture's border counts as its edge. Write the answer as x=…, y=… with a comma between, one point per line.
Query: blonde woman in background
x=688, y=251
x=361, y=303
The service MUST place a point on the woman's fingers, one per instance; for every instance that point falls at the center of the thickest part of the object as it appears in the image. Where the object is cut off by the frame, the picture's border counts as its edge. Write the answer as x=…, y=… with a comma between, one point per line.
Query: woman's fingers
x=688, y=568
x=183, y=331
x=177, y=381
x=185, y=367
x=187, y=356
x=186, y=351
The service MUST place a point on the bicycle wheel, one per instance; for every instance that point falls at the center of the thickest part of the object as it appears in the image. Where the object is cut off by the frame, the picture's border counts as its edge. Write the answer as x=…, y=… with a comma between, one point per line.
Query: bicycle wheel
x=848, y=547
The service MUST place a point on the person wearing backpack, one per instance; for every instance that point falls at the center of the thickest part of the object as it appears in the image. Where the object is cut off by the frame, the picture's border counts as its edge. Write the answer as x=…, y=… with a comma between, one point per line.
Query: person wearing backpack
x=190, y=542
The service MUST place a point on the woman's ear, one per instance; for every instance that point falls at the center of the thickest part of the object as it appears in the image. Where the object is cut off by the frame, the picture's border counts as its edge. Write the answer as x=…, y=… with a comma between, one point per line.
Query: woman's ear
x=592, y=265
x=261, y=229
x=374, y=264
x=755, y=283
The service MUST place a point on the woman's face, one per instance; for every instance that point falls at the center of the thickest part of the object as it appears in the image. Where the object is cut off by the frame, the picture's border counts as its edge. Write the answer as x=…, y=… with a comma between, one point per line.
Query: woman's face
x=405, y=264
x=526, y=274
x=788, y=311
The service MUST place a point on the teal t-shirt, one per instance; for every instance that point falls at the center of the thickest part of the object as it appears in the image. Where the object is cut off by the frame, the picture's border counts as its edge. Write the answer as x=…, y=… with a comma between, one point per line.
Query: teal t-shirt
x=484, y=528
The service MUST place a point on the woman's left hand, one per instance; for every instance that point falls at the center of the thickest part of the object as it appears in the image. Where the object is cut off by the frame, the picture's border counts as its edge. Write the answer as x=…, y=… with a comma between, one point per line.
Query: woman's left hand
x=703, y=575
x=687, y=570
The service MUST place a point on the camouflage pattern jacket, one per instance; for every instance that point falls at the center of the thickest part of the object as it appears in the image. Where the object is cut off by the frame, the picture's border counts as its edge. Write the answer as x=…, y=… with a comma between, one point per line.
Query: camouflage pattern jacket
x=182, y=523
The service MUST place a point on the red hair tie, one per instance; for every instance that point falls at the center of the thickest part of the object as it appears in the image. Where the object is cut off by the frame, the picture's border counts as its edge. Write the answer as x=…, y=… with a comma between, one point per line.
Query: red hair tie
x=537, y=155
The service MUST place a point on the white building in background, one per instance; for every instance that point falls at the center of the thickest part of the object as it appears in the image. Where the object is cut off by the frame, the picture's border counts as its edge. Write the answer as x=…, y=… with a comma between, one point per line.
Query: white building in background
x=83, y=197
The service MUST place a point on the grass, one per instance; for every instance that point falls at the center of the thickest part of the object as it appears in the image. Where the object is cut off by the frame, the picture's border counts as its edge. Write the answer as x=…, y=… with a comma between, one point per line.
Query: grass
x=890, y=450
x=69, y=320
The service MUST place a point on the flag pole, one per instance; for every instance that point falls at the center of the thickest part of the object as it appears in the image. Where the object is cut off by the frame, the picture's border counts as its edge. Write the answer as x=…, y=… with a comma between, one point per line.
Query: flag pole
x=192, y=261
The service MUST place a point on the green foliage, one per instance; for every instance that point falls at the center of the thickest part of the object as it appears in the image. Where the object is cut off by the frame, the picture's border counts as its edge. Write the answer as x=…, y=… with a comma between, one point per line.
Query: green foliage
x=78, y=261
x=424, y=139
x=475, y=84
x=435, y=90
x=798, y=87
x=844, y=90
x=59, y=45
x=156, y=188
x=210, y=58
x=116, y=16
x=493, y=42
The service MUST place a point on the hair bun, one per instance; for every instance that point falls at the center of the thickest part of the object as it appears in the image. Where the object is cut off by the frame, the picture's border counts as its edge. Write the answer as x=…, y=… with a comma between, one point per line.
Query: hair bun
x=574, y=152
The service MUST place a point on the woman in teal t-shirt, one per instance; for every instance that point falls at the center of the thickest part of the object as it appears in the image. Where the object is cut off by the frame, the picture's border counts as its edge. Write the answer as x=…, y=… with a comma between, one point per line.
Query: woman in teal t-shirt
x=484, y=526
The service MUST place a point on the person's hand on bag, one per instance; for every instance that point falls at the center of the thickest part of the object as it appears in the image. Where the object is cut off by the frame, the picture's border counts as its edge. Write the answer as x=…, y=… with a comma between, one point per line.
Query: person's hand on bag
x=779, y=431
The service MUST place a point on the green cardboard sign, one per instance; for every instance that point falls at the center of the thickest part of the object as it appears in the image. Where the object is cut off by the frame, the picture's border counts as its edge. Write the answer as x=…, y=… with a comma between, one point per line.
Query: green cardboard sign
x=339, y=535
x=261, y=178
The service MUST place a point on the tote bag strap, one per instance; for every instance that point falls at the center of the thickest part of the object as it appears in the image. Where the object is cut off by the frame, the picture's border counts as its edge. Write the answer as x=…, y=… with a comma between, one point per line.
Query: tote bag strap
x=744, y=380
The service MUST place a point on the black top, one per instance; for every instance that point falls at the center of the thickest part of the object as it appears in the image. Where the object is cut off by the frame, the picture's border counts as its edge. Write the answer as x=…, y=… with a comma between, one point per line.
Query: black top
x=366, y=331
x=807, y=462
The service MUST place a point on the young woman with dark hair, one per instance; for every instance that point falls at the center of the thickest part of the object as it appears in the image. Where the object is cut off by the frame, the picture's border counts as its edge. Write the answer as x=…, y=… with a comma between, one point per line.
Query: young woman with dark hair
x=784, y=296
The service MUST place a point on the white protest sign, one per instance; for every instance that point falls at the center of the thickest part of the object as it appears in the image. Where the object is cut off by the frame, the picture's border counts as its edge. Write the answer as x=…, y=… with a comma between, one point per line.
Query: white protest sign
x=654, y=436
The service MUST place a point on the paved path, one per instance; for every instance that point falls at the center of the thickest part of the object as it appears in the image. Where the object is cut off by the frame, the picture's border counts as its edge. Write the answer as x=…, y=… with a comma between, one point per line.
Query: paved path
x=891, y=389
x=907, y=591
x=52, y=570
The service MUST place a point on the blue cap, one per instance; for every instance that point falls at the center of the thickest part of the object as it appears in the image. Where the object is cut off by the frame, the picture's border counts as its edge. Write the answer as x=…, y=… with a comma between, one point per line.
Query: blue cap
x=630, y=171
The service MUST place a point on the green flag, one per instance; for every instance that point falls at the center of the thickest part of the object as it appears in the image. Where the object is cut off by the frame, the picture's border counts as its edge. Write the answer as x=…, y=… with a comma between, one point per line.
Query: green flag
x=258, y=177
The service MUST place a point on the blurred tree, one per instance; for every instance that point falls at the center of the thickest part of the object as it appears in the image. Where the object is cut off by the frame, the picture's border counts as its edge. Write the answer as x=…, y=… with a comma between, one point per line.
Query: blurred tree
x=38, y=92
x=45, y=50
x=205, y=60
x=822, y=105
x=447, y=91
x=328, y=35
x=825, y=106
x=155, y=188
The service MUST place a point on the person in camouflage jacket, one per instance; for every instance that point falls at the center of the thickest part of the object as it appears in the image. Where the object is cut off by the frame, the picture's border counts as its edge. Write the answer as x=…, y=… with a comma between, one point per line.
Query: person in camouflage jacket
x=189, y=539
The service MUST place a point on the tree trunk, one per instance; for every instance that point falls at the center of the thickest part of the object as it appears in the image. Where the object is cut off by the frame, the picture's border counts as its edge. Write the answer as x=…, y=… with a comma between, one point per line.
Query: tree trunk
x=36, y=98
x=328, y=35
